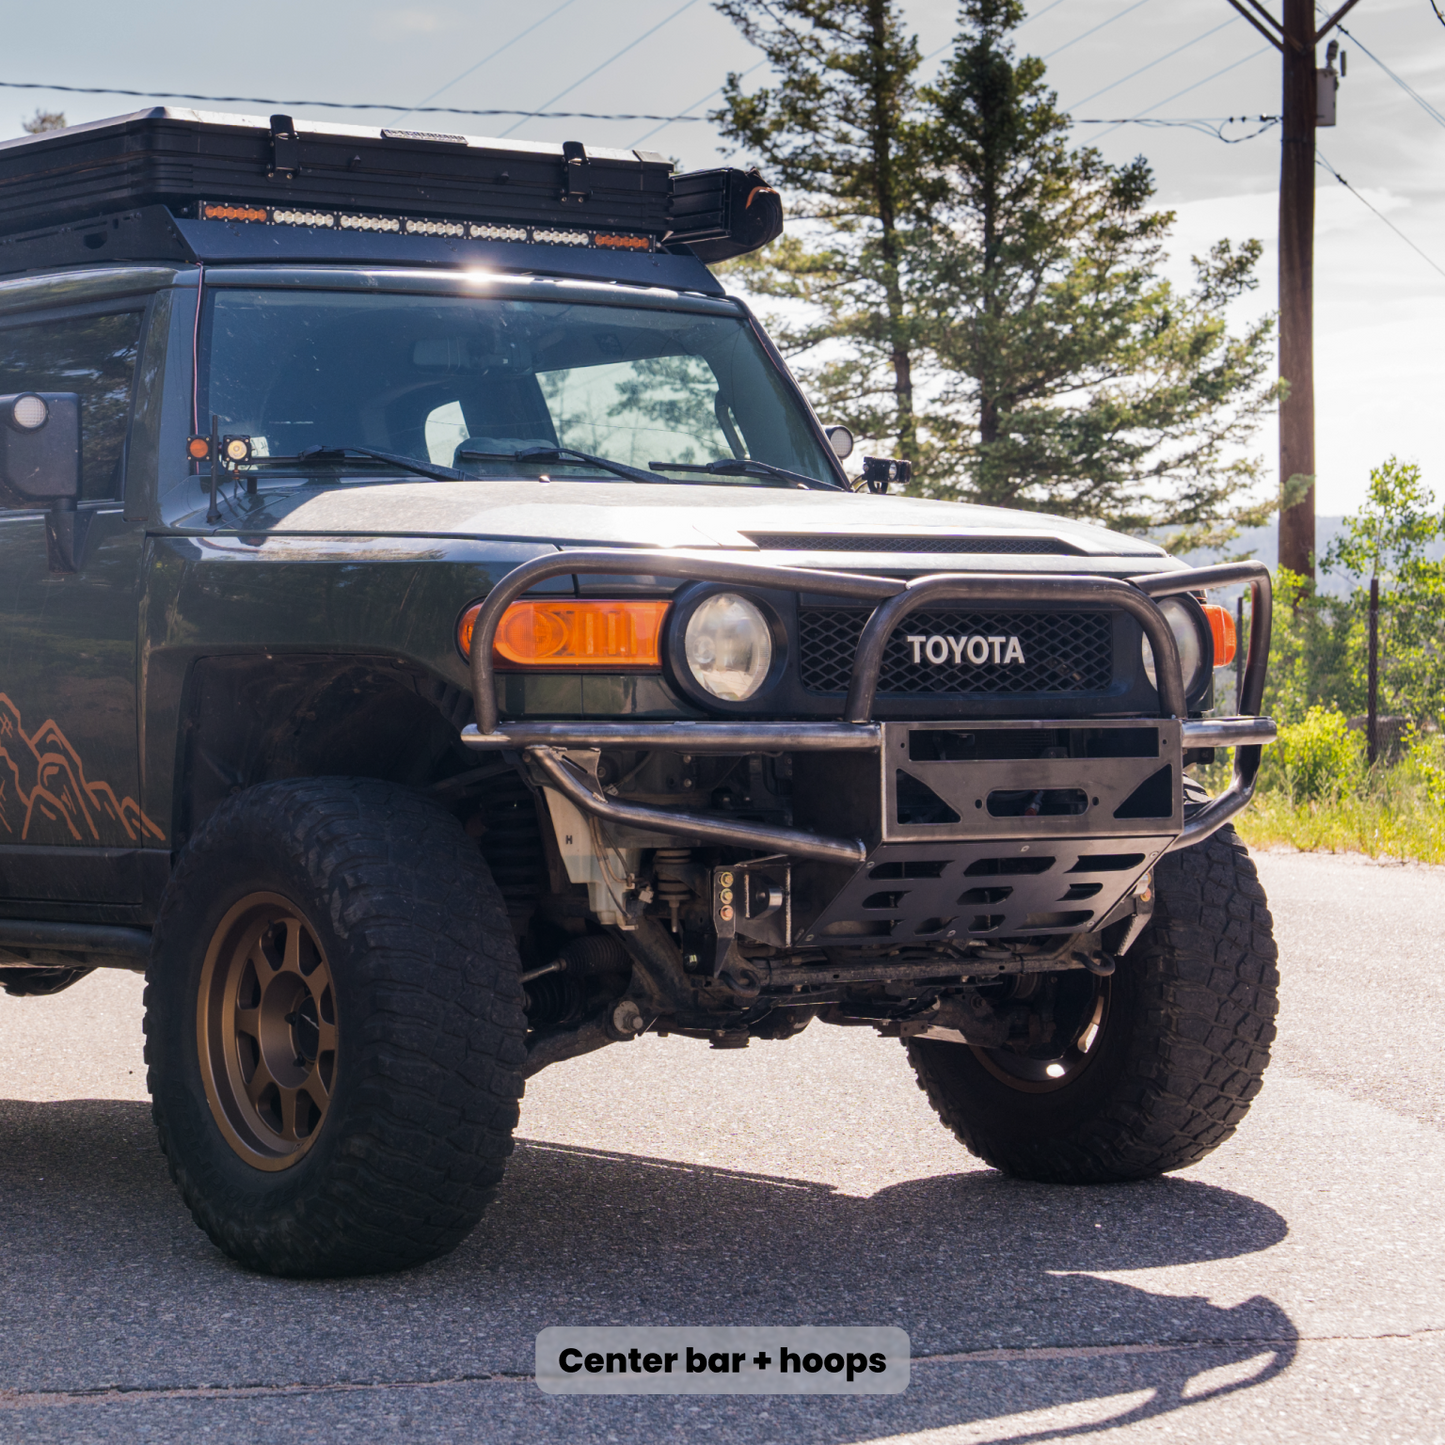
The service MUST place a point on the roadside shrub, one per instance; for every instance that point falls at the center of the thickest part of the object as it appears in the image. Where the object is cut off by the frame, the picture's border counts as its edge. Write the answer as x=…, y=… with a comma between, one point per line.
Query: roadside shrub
x=1316, y=759
x=1319, y=655
x=1425, y=765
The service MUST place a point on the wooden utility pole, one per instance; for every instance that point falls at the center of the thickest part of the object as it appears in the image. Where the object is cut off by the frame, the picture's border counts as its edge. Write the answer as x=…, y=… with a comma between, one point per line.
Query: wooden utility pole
x=1296, y=291
x=1295, y=37
x=1372, y=705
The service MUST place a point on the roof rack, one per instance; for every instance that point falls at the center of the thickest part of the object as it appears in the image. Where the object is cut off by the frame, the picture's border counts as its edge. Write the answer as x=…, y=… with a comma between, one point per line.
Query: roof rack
x=191, y=185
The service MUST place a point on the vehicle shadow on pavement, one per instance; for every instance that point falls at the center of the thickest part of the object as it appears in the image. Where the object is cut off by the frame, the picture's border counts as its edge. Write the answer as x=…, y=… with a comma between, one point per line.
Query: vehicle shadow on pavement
x=972, y=1263
x=100, y=1253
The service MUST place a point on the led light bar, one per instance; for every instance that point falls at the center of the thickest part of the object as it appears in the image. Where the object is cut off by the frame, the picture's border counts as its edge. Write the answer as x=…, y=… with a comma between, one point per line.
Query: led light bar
x=263, y=215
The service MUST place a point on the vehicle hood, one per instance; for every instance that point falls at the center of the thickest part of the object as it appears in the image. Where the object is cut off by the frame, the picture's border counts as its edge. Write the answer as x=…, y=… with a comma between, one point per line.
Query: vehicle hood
x=628, y=514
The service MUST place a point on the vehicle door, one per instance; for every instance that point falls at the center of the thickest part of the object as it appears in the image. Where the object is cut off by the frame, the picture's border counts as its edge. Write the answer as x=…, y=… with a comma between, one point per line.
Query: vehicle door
x=71, y=829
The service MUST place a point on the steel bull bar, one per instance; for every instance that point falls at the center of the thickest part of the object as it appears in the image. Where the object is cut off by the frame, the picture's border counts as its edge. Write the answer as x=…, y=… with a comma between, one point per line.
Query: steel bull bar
x=545, y=744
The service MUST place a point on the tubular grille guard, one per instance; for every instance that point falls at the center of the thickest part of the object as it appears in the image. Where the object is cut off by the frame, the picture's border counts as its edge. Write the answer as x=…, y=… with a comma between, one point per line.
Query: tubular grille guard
x=1236, y=796
x=894, y=602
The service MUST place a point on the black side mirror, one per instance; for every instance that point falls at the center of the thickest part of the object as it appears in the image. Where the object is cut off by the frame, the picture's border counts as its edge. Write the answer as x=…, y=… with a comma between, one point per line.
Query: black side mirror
x=40, y=463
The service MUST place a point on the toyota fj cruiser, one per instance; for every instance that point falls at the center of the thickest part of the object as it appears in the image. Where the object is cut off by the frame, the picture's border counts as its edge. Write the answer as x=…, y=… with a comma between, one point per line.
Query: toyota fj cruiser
x=439, y=640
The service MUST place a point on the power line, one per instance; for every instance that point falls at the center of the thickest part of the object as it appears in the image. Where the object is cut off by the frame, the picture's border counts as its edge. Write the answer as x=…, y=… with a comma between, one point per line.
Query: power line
x=1039, y=14
x=334, y=104
x=1414, y=95
x=1233, y=65
x=1203, y=125
x=1159, y=61
x=924, y=61
x=471, y=70
x=1095, y=30
x=631, y=45
x=703, y=101
x=1319, y=157
x=1029, y=20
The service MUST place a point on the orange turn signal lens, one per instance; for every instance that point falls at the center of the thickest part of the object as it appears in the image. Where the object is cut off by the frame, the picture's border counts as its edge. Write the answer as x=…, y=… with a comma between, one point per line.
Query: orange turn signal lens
x=213, y=212
x=1221, y=624
x=573, y=633
x=198, y=448
x=621, y=243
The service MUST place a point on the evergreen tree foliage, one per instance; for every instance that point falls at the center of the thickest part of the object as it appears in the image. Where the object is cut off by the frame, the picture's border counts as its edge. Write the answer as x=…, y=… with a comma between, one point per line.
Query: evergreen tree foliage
x=44, y=121
x=971, y=288
x=837, y=134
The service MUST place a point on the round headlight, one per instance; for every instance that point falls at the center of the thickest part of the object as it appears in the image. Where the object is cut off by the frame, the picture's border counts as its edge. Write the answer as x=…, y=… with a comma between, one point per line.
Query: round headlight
x=729, y=646
x=1186, y=639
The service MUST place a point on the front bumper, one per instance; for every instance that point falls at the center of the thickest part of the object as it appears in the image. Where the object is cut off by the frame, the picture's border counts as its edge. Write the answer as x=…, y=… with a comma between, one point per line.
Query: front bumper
x=545, y=744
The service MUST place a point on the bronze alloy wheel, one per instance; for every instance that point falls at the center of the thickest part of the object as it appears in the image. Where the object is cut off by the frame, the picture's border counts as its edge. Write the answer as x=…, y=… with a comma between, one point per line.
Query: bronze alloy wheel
x=266, y=1031
x=1043, y=1076
x=312, y=931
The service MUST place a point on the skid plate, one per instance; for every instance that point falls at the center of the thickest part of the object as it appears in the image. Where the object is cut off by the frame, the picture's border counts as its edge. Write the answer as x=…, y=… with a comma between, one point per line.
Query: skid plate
x=923, y=893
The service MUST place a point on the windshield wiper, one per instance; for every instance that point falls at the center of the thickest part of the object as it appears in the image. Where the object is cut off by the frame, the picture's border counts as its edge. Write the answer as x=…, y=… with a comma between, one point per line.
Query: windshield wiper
x=747, y=467
x=410, y=464
x=559, y=454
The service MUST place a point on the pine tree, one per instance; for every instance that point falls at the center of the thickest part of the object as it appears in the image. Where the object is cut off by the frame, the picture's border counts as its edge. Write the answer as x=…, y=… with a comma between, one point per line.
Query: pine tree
x=1073, y=377
x=1046, y=362
x=834, y=132
x=43, y=121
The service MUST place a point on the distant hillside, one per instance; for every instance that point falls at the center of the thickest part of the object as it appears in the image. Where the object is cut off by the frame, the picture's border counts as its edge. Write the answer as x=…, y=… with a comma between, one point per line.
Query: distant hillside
x=1263, y=542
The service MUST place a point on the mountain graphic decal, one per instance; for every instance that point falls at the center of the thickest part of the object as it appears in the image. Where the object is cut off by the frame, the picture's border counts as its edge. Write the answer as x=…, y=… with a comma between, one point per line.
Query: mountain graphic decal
x=45, y=796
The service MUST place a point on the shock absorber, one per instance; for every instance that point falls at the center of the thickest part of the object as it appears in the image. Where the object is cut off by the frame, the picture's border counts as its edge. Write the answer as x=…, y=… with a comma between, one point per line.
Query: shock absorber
x=670, y=865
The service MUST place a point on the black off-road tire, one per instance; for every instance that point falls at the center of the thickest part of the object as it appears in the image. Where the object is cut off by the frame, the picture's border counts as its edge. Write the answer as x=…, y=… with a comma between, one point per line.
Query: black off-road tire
x=422, y=1016
x=1181, y=1051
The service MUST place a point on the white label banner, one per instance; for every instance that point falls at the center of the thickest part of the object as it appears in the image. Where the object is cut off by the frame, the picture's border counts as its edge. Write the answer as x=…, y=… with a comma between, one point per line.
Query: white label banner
x=723, y=1360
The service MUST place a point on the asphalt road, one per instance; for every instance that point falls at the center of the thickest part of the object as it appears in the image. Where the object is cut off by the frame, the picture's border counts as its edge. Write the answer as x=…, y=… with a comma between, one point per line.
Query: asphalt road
x=1288, y=1288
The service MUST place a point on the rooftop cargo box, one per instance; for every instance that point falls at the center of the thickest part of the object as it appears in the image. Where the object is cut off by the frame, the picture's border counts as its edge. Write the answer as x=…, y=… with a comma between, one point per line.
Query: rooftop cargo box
x=188, y=186
x=178, y=157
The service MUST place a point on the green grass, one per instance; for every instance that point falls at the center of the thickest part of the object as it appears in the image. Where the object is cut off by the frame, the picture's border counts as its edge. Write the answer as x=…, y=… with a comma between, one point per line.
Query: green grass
x=1378, y=827
x=1384, y=812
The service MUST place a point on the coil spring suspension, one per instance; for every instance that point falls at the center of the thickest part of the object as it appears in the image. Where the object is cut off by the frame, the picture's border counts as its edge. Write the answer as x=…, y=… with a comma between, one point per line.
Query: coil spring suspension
x=668, y=865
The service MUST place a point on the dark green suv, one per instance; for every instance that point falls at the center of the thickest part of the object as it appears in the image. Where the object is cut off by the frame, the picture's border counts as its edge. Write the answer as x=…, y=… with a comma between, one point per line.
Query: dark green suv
x=438, y=639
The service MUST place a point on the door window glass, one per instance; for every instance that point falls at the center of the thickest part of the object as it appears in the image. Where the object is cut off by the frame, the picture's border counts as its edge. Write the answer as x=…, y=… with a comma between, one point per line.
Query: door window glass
x=92, y=355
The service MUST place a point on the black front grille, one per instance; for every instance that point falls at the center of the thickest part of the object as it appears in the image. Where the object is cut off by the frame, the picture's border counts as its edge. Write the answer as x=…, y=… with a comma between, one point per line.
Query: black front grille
x=840, y=542
x=1064, y=652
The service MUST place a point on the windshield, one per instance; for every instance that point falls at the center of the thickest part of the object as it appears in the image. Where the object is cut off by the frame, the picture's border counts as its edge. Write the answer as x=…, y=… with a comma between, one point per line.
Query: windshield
x=431, y=377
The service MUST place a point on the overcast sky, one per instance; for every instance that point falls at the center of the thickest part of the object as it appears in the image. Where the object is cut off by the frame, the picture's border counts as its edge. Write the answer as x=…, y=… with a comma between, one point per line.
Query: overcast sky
x=1380, y=307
